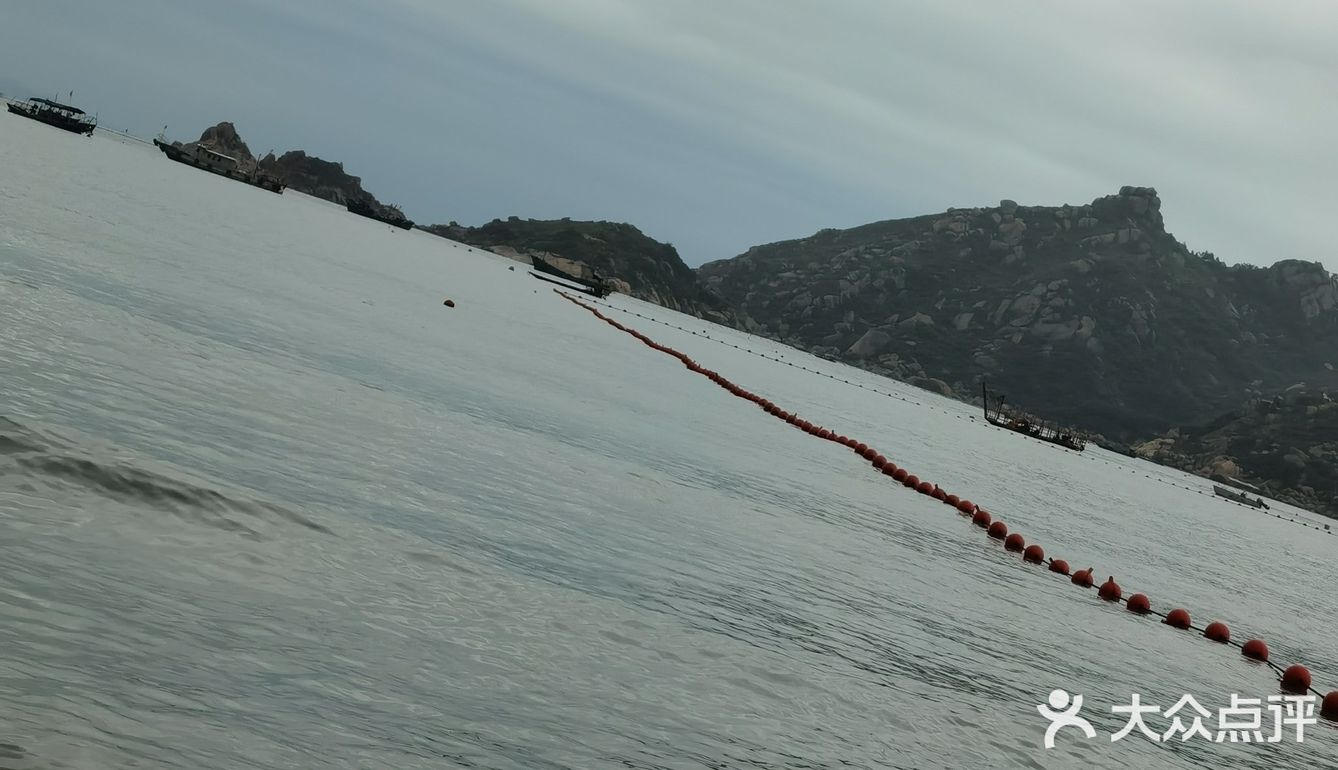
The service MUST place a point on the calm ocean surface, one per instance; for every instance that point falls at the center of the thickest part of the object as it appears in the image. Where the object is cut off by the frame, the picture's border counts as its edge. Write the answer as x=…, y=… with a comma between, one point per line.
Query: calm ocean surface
x=265, y=503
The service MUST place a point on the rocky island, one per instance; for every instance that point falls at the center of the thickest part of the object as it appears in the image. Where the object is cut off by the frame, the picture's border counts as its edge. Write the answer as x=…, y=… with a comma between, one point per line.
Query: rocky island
x=638, y=265
x=297, y=170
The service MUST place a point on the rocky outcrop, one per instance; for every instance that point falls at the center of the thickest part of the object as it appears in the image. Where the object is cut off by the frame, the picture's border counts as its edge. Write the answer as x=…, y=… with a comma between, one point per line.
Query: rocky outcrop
x=1092, y=314
x=297, y=170
x=618, y=252
x=1287, y=445
x=314, y=176
x=224, y=138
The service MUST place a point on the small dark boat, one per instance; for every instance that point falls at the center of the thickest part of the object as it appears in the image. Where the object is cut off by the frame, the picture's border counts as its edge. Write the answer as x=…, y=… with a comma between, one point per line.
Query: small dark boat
x=216, y=162
x=1239, y=497
x=62, y=116
x=391, y=215
x=596, y=288
x=1019, y=422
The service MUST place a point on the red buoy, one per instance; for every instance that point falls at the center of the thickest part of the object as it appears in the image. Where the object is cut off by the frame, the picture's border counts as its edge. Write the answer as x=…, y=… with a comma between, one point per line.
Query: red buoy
x=953, y=500
x=1082, y=577
x=805, y=425
x=1014, y=542
x=966, y=506
x=793, y=419
x=861, y=448
x=981, y=518
x=901, y=474
x=1328, y=708
x=449, y=303
x=1060, y=566
x=868, y=452
x=939, y=494
x=1034, y=554
x=1256, y=649
x=924, y=487
x=879, y=461
x=1110, y=590
x=1139, y=603
x=1218, y=632
x=1296, y=679
x=911, y=480
x=998, y=530
x=824, y=433
x=1177, y=618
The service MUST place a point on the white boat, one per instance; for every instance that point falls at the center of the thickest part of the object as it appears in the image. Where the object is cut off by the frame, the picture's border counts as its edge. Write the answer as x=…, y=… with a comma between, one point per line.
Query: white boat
x=1239, y=497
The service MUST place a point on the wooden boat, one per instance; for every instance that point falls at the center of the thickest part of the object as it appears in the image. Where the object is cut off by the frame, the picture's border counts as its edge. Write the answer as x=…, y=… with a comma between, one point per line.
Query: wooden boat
x=388, y=214
x=217, y=163
x=1239, y=497
x=596, y=288
x=62, y=116
x=1020, y=422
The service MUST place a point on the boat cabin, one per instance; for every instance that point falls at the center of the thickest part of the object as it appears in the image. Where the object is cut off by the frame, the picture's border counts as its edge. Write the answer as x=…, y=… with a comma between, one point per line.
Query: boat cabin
x=215, y=161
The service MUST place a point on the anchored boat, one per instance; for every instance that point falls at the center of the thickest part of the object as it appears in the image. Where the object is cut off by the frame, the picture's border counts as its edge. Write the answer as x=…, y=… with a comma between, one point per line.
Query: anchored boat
x=391, y=215
x=1239, y=496
x=1021, y=422
x=217, y=163
x=595, y=288
x=62, y=116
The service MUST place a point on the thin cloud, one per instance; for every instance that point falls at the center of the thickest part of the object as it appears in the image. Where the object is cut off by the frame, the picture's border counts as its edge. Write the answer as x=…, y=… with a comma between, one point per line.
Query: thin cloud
x=722, y=125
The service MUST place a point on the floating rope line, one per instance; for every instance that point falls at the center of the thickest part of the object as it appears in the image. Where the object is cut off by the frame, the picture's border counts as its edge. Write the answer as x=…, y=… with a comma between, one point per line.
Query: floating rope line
x=899, y=397
x=1293, y=679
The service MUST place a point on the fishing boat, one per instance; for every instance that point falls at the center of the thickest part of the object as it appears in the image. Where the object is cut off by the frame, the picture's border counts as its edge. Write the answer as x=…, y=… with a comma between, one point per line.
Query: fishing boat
x=391, y=215
x=1236, y=496
x=62, y=116
x=543, y=269
x=1021, y=422
x=215, y=162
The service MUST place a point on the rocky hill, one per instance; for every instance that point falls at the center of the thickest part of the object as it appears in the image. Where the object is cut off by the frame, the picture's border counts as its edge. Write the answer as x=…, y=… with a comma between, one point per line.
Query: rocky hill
x=302, y=172
x=1287, y=445
x=637, y=264
x=1093, y=315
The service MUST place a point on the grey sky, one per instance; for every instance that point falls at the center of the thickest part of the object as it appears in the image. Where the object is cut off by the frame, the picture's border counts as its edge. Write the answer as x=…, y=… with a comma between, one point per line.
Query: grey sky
x=719, y=125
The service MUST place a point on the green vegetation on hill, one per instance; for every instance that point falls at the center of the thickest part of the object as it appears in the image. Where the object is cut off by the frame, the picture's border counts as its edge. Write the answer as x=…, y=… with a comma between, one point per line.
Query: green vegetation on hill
x=1092, y=315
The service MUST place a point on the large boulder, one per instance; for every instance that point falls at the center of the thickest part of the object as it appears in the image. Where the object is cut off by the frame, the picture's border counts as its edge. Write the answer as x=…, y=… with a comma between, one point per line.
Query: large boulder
x=870, y=345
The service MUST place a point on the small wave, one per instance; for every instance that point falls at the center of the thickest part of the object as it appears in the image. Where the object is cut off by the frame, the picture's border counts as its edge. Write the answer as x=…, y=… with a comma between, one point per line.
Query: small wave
x=37, y=456
x=16, y=438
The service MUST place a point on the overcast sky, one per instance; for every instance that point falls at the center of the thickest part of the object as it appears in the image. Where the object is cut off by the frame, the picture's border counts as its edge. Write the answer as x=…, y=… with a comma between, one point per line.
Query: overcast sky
x=721, y=124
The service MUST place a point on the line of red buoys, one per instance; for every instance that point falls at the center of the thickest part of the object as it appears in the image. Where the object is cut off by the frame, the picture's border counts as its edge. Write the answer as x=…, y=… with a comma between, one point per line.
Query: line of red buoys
x=1294, y=679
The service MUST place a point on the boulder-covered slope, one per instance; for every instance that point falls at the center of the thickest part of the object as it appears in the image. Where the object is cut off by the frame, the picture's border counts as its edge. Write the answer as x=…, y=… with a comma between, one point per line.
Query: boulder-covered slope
x=637, y=264
x=1093, y=315
x=1287, y=445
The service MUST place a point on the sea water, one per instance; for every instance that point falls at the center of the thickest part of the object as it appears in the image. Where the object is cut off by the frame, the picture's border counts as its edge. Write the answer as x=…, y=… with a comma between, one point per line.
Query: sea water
x=266, y=502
